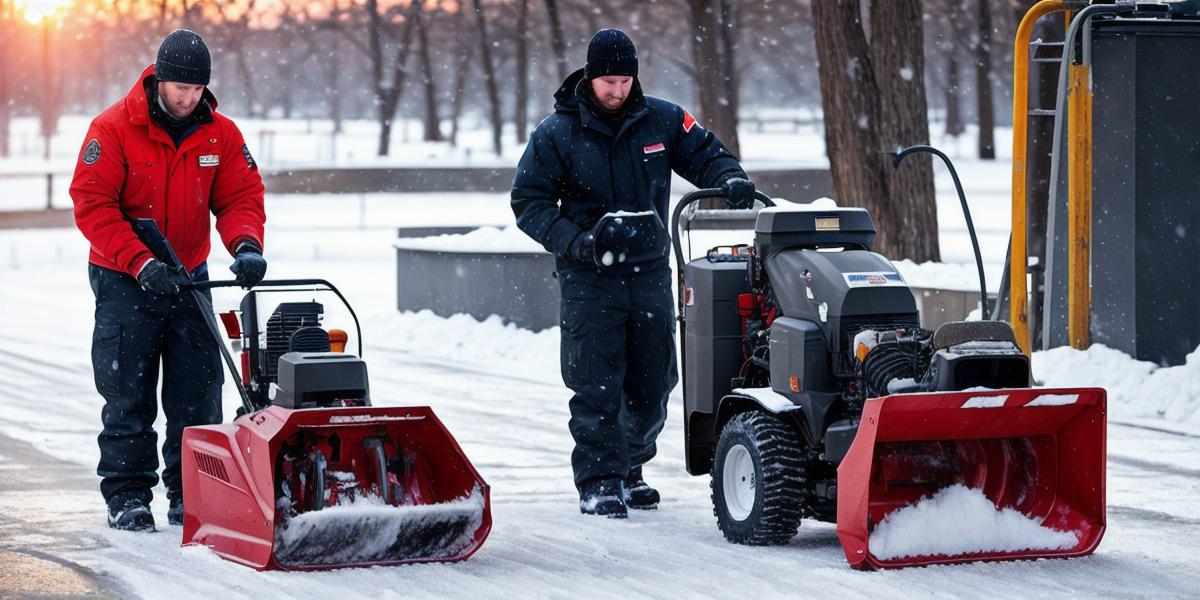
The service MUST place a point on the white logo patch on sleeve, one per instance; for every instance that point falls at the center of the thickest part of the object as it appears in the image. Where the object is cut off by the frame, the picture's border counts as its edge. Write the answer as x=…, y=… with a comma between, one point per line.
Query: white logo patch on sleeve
x=210, y=160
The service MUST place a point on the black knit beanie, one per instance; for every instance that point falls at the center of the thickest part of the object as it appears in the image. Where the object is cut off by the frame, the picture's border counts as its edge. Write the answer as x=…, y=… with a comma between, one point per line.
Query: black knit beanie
x=183, y=58
x=611, y=52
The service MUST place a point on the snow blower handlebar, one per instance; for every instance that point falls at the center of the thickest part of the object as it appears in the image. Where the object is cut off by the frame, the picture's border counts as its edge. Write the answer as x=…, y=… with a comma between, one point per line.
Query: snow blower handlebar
x=148, y=232
x=316, y=284
x=686, y=201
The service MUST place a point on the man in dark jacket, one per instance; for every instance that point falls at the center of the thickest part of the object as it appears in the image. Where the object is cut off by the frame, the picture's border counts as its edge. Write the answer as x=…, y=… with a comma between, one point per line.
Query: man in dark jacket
x=593, y=187
x=162, y=152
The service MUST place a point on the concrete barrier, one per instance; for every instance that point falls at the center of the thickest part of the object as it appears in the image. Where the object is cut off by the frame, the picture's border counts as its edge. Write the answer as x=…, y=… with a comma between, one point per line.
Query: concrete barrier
x=801, y=185
x=939, y=306
x=521, y=287
x=398, y=180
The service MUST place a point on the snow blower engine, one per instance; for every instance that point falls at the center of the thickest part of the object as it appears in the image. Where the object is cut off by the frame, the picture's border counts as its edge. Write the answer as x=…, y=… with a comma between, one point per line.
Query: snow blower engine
x=812, y=391
x=310, y=475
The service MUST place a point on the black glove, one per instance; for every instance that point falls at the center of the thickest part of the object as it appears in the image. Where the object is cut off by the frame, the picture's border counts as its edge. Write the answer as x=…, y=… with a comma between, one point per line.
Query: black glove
x=157, y=277
x=739, y=193
x=583, y=247
x=248, y=264
x=630, y=238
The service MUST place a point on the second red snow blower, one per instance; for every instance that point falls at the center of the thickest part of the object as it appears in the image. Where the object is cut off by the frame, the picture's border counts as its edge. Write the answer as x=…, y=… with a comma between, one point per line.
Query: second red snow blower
x=310, y=475
x=812, y=391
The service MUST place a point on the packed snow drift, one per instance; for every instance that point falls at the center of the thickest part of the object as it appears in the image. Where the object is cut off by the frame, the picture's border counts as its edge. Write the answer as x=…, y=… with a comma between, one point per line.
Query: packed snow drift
x=961, y=520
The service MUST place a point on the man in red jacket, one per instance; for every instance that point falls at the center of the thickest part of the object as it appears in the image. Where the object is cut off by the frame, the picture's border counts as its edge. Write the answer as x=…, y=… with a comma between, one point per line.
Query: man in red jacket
x=162, y=152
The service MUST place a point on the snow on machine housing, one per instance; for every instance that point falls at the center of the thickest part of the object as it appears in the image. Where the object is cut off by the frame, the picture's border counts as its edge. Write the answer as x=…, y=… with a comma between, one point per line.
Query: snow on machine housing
x=310, y=475
x=810, y=390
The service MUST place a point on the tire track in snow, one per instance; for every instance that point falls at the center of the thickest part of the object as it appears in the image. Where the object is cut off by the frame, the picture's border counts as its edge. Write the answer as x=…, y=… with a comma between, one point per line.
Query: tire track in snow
x=44, y=364
x=1155, y=467
x=1153, y=516
x=1154, y=429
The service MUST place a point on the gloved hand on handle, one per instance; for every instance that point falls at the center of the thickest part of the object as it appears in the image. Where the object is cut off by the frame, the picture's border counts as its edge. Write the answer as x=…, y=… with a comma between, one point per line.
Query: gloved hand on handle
x=248, y=266
x=155, y=276
x=739, y=193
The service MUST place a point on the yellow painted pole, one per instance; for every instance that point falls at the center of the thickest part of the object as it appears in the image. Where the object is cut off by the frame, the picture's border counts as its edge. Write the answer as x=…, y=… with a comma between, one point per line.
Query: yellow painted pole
x=1019, y=260
x=1079, y=206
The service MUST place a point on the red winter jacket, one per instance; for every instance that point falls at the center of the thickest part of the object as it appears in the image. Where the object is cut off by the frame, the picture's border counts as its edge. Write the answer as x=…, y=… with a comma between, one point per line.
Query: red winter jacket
x=129, y=168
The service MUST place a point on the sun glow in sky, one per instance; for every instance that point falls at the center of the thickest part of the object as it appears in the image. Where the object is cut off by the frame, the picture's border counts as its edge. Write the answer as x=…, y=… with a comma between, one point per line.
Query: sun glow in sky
x=36, y=10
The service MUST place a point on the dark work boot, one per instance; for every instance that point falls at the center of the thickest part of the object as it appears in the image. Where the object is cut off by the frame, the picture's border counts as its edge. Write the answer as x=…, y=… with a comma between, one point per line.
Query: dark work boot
x=639, y=494
x=603, y=498
x=130, y=515
x=175, y=513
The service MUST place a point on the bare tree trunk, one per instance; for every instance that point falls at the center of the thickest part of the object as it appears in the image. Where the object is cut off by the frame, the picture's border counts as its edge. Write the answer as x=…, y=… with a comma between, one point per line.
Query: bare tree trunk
x=730, y=83
x=712, y=54
x=375, y=50
x=433, y=126
x=983, y=83
x=252, y=106
x=333, y=92
x=387, y=93
x=849, y=99
x=5, y=106
x=489, y=78
x=954, y=117
x=400, y=68
x=956, y=30
x=521, y=110
x=463, y=68
x=898, y=58
x=556, y=39
x=51, y=108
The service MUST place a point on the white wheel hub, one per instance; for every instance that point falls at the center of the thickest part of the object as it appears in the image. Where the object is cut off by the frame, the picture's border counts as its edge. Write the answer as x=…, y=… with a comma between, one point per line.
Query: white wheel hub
x=738, y=482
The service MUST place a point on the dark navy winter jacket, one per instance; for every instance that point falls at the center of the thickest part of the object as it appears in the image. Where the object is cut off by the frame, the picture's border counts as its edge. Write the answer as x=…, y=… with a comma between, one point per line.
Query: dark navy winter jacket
x=576, y=169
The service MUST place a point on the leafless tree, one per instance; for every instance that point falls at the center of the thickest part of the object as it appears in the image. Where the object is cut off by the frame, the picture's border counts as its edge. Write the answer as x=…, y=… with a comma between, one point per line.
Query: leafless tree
x=461, y=71
x=521, y=104
x=872, y=96
x=433, y=126
x=713, y=52
x=6, y=105
x=51, y=105
x=489, y=77
x=387, y=83
x=556, y=39
x=984, y=103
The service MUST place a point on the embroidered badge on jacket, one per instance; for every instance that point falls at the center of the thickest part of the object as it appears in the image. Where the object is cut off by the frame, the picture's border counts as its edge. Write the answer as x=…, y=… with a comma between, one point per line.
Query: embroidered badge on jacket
x=91, y=154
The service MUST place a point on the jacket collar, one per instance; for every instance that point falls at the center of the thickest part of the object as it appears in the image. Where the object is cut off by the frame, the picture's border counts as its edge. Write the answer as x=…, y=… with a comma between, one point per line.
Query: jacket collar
x=136, y=105
x=569, y=99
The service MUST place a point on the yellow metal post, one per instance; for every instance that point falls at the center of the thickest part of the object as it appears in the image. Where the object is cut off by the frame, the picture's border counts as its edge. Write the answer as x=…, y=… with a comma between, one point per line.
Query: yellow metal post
x=1018, y=290
x=1079, y=205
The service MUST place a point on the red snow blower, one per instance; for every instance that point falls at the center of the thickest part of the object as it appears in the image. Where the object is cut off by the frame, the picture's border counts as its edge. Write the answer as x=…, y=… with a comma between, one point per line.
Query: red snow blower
x=310, y=475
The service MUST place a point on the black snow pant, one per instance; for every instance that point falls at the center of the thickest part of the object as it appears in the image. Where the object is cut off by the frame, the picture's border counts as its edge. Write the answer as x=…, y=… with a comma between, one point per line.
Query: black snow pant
x=135, y=330
x=618, y=356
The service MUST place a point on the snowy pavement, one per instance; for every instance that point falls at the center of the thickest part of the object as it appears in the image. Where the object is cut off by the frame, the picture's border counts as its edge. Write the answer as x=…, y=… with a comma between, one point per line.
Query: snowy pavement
x=497, y=390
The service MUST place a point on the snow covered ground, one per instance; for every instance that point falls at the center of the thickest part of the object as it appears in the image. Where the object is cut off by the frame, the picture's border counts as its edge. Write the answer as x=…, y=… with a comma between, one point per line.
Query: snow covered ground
x=498, y=391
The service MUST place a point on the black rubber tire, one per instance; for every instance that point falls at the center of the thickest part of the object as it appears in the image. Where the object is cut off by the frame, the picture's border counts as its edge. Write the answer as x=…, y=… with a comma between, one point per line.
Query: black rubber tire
x=780, y=493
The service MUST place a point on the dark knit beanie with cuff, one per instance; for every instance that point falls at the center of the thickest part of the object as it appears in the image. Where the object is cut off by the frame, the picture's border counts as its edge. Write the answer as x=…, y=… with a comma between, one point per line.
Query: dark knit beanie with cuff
x=183, y=57
x=611, y=52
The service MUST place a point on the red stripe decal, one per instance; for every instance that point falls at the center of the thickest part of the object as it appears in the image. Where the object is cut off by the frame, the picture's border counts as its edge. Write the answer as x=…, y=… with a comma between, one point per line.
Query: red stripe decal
x=688, y=122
